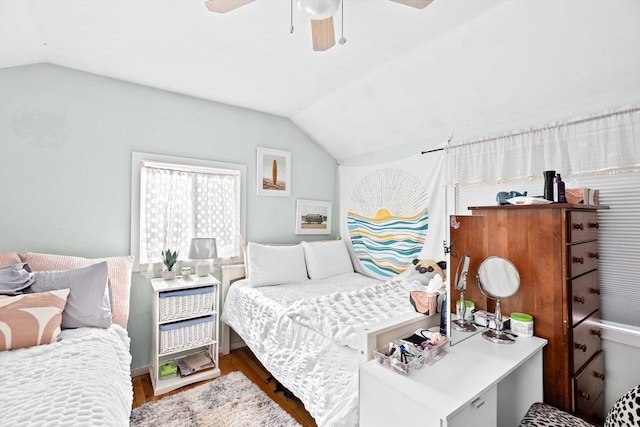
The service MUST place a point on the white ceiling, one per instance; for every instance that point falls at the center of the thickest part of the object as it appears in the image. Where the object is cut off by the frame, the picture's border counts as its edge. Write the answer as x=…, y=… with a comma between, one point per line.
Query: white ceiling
x=405, y=75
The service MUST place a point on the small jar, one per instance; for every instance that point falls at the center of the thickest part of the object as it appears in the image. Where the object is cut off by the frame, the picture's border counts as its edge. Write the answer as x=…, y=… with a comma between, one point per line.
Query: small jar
x=468, y=312
x=186, y=273
x=522, y=324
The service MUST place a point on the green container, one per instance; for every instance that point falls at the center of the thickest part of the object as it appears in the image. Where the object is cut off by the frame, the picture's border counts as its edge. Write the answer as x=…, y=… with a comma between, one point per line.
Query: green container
x=521, y=317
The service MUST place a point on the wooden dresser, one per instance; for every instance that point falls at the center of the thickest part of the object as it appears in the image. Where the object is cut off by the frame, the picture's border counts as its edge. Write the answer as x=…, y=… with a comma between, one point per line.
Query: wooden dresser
x=555, y=249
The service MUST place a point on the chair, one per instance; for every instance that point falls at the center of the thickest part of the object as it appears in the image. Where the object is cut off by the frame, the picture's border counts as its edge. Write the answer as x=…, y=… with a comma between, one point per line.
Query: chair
x=625, y=412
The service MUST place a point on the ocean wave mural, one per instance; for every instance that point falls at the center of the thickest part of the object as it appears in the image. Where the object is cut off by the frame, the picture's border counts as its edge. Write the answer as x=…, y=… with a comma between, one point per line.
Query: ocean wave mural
x=387, y=220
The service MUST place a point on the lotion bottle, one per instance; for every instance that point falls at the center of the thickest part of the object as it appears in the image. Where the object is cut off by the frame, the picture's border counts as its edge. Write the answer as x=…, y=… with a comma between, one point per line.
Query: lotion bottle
x=558, y=190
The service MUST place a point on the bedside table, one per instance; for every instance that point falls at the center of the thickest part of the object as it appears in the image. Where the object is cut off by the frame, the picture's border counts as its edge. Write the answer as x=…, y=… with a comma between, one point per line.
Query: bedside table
x=185, y=321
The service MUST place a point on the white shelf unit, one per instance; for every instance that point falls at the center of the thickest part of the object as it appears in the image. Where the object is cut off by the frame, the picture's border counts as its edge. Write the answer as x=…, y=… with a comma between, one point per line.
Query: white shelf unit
x=159, y=356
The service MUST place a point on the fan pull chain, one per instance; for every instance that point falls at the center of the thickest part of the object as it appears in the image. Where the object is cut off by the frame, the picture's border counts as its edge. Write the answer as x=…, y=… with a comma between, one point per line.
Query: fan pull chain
x=342, y=39
x=291, y=28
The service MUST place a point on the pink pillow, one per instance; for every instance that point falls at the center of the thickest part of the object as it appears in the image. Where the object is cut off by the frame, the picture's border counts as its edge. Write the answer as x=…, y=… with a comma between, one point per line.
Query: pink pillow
x=120, y=269
x=9, y=258
x=31, y=319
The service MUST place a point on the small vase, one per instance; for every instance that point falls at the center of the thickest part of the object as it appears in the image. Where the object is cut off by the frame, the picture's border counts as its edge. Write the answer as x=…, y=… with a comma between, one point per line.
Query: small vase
x=169, y=274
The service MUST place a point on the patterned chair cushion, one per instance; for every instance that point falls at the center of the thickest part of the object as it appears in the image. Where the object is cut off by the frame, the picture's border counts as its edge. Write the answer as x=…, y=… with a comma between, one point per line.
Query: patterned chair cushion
x=626, y=411
x=543, y=415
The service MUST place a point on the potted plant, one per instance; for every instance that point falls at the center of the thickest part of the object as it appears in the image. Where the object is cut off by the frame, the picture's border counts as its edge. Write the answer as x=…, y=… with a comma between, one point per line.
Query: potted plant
x=169, y=259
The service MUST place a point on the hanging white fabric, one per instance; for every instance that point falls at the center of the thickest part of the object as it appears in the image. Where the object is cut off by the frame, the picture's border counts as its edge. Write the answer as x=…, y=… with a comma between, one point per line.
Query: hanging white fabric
x=604, y=143
x=178, y=205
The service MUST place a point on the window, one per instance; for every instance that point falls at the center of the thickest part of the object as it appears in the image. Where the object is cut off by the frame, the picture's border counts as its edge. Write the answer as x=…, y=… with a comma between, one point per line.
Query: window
x=175, y=199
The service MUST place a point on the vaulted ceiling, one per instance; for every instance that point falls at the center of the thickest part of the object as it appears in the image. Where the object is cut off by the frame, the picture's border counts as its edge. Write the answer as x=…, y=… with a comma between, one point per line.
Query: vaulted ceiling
x=404, y=76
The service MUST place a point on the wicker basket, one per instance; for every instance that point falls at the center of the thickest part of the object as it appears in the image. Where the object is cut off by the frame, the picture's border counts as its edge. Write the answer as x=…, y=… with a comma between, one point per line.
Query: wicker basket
x=186, y=334
x=185, y=303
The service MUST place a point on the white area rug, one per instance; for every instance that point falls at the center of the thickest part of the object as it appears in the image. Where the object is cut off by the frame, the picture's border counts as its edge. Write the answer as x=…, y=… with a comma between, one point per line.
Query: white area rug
x=231, y=400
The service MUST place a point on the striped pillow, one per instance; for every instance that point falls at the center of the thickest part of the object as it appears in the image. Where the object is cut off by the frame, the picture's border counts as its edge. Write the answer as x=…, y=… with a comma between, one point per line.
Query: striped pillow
x=31, y=319
x=8, y=258
x=120, y=269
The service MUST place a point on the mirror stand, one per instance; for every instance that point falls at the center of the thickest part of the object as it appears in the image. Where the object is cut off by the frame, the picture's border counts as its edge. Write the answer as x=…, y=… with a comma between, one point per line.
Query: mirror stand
x=497, y=335
x=462, y=324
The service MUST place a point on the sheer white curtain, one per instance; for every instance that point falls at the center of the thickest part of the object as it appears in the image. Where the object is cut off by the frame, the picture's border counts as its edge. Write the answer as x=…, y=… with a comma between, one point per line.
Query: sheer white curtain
x=605, y=143
x=177, y=205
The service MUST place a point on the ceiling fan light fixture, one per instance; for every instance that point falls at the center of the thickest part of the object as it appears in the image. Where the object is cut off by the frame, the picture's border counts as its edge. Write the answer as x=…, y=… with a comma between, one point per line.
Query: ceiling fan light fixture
x=318, y=9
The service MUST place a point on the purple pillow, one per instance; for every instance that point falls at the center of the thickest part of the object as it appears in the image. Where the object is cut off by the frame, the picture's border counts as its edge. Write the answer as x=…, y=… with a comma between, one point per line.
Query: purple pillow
x=88, y=304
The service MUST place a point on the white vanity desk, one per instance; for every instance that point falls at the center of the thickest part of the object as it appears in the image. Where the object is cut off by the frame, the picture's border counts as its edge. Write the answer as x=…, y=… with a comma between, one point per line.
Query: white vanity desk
x=477, y=383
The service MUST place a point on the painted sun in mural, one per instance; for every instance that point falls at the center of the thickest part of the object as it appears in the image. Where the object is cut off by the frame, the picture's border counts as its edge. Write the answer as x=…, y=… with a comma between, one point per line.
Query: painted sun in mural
x=388, y=220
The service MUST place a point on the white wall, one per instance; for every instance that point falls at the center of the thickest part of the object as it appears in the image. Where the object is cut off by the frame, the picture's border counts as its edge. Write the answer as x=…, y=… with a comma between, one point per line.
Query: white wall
x=621, y=348
x=66, y=139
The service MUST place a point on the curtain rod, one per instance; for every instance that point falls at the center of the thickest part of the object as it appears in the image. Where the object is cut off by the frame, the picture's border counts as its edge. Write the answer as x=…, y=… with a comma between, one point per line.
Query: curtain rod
x=576, y=121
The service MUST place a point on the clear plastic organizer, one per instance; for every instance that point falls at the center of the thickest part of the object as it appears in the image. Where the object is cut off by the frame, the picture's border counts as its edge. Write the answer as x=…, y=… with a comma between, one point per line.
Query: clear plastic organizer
x=185, y=303
x=186, y=334
x=403, y=356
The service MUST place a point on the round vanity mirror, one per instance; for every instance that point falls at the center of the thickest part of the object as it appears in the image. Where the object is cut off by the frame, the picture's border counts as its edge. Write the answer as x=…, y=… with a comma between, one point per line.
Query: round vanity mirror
x=498, y=278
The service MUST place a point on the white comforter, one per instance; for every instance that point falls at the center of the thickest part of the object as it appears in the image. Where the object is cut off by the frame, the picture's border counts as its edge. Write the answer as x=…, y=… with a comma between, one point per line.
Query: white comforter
x=305, y=334
x=83, y=379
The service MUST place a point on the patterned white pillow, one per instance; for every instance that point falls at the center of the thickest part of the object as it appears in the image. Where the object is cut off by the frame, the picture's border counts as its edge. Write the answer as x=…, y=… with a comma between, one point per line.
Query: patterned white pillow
x=327, y=258
x=275, y=265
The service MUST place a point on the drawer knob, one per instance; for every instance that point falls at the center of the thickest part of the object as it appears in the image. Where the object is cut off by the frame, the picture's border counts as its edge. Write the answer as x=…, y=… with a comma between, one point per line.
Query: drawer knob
x=596, y=332
x=595, y=255
x=599, y=375
x=594, y=291
x=579, y=226
x=595, y=225
x=584, y=394
x=578, y=260
x=579, y=299
x=582, y=347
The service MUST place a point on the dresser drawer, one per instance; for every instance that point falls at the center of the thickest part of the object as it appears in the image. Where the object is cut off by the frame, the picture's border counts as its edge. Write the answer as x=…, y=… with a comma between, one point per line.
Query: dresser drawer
x=596, y=414
x=585, y=296
x=588, y=386
x=583, y=226
x=583, y=257
x=586, y=341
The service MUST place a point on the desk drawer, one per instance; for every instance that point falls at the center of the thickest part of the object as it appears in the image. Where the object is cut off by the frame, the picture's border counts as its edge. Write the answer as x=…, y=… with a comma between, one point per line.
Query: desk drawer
x=585, y=296
x=586, y=341
x=583, y=226
x=588, y=386
x=582, y=258
x=482, y=408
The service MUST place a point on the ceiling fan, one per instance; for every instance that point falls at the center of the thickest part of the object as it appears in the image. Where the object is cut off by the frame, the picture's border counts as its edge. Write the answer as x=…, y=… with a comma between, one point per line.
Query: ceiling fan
x=319, y=11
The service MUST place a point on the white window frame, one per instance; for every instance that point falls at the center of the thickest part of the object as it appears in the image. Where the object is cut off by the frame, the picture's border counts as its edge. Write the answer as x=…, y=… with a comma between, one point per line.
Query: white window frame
x=189, y=164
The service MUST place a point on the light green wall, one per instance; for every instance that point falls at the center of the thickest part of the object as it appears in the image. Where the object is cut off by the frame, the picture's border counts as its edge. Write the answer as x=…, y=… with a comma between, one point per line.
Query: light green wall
x=66, y=139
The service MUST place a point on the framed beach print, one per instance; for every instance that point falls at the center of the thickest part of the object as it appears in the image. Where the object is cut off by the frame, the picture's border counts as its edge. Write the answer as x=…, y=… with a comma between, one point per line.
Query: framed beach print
x=273, y=172
x=313, y=217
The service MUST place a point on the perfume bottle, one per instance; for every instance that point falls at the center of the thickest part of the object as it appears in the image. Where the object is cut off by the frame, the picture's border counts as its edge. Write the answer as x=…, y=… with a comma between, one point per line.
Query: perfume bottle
x=559, y=195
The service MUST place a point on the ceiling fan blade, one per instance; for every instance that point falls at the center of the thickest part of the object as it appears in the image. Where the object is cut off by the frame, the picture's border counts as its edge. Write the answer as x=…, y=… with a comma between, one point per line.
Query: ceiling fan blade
x=418, y=4
x=322, y=33
x=224, y=6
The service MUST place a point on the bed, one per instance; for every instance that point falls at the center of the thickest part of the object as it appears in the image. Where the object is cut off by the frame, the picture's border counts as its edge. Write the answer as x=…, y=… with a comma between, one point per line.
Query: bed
x=74, y=369
x=311, y=320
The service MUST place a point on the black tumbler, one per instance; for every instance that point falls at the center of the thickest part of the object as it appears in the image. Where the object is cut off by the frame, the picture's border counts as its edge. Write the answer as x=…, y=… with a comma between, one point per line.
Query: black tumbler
x=549, y=177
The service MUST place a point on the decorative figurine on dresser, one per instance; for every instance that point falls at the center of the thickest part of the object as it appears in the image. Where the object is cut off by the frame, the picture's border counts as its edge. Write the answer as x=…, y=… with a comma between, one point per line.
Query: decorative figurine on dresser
x=555, y=247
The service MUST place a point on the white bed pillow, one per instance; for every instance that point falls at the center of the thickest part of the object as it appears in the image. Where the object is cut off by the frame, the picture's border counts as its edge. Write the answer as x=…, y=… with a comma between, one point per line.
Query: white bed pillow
x=275, y=265
x=327, y=258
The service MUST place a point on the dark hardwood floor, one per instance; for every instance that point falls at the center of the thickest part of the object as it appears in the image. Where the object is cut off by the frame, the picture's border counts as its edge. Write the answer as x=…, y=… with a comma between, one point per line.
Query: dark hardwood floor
x=242, y=360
